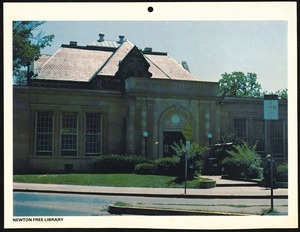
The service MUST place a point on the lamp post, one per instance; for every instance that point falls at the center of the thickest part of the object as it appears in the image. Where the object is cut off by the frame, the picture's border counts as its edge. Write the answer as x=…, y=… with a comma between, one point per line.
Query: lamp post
x=209, y=136
x=270, y=160
x=145, y=134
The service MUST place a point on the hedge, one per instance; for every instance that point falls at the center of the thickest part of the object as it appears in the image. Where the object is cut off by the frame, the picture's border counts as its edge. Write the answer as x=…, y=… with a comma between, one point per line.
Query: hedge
x=114, y=163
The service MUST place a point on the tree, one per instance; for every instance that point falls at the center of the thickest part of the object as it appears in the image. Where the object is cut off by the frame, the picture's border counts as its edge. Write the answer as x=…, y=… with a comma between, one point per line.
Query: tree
x=237, y=84
x=282, y=93
x=27, y=44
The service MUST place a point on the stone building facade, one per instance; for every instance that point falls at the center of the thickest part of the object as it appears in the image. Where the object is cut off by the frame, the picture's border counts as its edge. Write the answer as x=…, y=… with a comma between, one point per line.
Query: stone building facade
x=84, y=101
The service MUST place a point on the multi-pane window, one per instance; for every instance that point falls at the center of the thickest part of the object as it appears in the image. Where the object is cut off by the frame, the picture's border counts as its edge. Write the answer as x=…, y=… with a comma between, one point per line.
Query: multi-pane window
x=240, y=128
x=259, y=135
x=276, y=135
x=92, y=133
x=44, y=131
x=69, y=134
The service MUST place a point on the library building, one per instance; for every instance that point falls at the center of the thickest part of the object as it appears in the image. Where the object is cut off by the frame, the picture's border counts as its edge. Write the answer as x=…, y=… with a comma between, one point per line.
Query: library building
x=112, y=97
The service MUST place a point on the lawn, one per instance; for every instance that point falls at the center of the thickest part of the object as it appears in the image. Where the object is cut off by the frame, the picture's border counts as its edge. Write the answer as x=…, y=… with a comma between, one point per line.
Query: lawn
x=116, y=180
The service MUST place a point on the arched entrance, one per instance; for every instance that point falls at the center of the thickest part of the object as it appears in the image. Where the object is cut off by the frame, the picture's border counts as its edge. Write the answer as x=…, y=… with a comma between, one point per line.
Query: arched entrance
x=171, y=124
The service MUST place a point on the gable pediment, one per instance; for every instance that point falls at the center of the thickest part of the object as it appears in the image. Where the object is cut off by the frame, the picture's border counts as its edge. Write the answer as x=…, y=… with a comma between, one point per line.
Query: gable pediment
x=133, y=65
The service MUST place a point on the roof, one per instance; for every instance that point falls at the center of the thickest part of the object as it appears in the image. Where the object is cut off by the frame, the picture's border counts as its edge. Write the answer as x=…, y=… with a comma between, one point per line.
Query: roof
x=82, y=63
x=106, y=43
x=71, y=64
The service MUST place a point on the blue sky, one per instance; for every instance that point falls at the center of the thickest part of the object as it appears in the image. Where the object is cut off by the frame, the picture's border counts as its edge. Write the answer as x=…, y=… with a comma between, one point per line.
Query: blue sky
x=209, y=47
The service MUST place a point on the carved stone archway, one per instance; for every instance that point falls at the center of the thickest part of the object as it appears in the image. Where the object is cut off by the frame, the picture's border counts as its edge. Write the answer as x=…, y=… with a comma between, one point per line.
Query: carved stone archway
x=172, y=120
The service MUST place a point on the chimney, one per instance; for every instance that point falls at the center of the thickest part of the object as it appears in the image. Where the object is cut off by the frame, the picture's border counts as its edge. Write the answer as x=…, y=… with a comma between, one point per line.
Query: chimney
x=147, y=49
x=73, y=43
x=121, y=37
x=101, y=37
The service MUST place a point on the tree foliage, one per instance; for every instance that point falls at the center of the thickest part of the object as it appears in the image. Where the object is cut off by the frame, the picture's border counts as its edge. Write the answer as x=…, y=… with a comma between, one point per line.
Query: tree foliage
x=243, y=162
x=27, y=43
x=282, y=93
x=195, y=158
x=238, y=84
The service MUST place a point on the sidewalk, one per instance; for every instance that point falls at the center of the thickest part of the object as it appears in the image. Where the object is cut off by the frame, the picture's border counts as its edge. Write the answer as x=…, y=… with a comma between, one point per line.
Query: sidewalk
x=224, y=189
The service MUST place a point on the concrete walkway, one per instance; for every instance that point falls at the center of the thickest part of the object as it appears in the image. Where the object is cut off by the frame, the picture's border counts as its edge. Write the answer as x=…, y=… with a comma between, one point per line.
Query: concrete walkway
x=225, y=189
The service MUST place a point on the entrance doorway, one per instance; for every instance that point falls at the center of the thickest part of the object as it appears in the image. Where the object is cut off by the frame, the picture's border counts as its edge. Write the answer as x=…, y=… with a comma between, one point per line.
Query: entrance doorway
x=169, y=138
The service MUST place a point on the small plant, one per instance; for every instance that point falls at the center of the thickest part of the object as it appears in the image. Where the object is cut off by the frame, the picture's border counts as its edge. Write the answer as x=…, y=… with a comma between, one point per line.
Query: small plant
x=282, y=173
x=243, y=163
x=121, y=204
x=195, y=158
x=267, y=211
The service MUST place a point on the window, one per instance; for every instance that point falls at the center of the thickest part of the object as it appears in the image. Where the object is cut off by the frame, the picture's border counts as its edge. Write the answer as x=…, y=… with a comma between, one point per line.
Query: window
x=44, y=131
x=69, y=134
x=259, y=135
x=240, y=128
x=276, y=135
x=92, y=134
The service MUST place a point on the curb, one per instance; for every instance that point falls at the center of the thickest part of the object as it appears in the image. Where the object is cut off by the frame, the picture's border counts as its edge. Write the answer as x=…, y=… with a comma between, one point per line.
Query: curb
x=158, y=195
x=119, y=210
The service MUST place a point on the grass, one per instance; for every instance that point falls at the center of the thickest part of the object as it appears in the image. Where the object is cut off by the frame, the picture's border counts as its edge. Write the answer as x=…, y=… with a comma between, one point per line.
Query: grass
x=115, y=180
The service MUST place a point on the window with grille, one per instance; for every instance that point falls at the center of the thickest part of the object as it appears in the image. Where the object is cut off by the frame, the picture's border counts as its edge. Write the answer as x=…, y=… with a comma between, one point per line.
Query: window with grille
x=259, y=135
x=276, y=135
x=44, y=132
x=240, y=128
x=92, y=134
x=69, y=134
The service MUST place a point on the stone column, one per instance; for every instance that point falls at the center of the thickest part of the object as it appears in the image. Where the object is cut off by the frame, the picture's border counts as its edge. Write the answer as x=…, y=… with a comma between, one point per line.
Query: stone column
x=150, y=127
x=130, y=125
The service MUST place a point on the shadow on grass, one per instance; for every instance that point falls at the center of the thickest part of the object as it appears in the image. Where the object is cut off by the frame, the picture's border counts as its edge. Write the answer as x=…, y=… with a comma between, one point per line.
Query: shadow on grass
x=178, y=181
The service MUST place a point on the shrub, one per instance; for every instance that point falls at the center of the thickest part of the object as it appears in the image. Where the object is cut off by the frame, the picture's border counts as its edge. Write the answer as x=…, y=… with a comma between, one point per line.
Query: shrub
x=282, y=173
x=243, y=163
x=146, y=169
x=113, y=163
x=168, y=166
x=195, y=159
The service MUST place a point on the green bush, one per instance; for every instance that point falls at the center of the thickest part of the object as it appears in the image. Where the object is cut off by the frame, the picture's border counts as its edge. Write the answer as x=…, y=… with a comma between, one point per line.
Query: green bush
x=195, y=159
x=114, y=163
x=146, y=169
x=168, y=166
x=282, y=173
x=243, y=163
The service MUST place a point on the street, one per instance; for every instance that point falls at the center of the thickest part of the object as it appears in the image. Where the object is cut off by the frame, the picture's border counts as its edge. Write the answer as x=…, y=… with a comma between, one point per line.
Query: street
x=54, y=204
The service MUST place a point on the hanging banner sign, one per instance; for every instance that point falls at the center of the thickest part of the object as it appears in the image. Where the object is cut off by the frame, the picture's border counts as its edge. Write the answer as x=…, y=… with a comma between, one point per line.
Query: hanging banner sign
x=270, y=107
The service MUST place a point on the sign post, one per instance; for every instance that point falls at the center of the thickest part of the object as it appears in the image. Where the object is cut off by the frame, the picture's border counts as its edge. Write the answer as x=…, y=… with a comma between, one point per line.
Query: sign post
x=187, y=133
x=270, y=113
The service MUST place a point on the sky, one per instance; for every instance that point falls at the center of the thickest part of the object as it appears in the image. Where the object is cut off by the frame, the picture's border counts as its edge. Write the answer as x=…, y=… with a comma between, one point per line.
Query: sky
x=210, y=48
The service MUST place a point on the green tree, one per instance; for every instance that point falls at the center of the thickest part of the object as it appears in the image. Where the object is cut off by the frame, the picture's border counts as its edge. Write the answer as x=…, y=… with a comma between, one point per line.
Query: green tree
x=27, y=43
x=237, y=84
x=195, y=159
x=243, y=162
x=282, y=93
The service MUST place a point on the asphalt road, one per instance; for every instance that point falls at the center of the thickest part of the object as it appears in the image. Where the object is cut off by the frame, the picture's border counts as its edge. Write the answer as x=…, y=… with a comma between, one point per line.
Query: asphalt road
x=53, y=204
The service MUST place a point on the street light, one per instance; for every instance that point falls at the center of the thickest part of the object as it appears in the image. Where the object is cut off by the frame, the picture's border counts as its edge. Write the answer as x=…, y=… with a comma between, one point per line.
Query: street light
x=145, y=134
x=209, y=136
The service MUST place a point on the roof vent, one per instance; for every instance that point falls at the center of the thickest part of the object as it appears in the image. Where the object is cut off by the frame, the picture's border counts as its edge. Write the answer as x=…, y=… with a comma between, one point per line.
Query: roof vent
x=185, y=66
x=73, y=43
x=101, y=37
x=121, y=39
x=147, y=49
